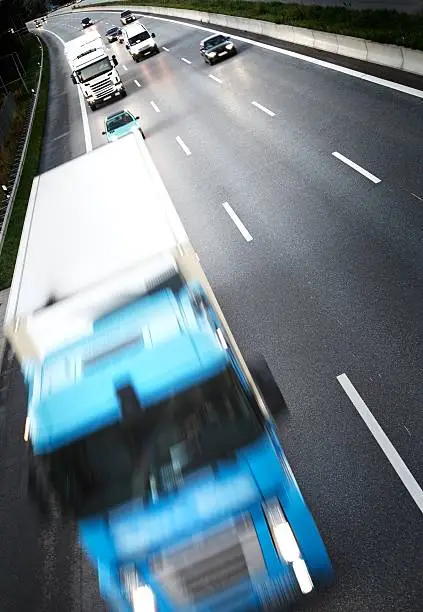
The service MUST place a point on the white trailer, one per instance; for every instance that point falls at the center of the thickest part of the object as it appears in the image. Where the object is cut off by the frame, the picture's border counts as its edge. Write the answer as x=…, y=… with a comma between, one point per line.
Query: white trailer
x=89, y=254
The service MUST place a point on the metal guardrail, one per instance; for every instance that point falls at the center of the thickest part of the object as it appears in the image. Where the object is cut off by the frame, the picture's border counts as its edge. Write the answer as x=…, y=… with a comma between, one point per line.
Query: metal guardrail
x=6, y=206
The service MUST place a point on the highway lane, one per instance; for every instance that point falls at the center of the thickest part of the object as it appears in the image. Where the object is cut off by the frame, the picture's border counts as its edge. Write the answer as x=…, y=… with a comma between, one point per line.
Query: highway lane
x=310, y=223
x=369, y=280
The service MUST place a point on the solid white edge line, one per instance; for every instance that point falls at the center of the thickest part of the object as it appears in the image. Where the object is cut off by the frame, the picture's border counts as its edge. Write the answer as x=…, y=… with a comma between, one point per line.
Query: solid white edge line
x=184, y=59
x=85, y=123
x=137, y=83
x=183, y=146
x=356, y=167
x=154, y=105
x=124, y=67
x=382, y=439
x=263, y=108
x=165, y=49
x=418, y=93
x=215, y=78
x=246, y=234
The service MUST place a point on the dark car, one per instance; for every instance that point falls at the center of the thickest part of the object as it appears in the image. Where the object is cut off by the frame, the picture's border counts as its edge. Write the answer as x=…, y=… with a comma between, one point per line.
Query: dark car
x=216, y=47
x=127, y=17
x=86, y=22
x=113, y=34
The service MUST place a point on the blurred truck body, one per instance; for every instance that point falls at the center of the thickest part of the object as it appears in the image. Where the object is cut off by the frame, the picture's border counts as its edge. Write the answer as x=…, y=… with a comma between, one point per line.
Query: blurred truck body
x=93, y=70
x=144, y=421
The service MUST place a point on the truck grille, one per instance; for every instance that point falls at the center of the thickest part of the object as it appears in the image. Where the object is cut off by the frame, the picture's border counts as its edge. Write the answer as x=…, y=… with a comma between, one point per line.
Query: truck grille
x=211, y=565
x=102, y=88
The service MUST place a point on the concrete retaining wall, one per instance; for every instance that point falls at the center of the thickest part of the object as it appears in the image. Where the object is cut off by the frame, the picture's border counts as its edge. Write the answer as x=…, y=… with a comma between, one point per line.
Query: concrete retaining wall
x=348, y=46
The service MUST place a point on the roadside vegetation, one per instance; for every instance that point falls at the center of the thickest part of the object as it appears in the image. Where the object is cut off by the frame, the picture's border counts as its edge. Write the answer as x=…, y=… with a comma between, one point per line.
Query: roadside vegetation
x=30, y=169
x=29, y=55
x=389, y=27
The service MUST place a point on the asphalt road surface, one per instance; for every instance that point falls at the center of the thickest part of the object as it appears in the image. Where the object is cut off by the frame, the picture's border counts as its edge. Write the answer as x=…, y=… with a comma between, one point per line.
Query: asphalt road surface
x=330, y=283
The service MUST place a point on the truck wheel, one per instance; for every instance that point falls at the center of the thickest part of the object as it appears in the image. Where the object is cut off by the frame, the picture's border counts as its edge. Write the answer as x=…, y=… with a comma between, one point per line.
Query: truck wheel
x=124, y=93
x=267, y=385
x=157, y=49
x=142, y=133
x=93, y=107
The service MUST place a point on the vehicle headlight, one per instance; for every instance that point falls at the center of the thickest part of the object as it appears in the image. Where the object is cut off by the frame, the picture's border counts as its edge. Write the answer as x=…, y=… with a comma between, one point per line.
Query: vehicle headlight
x=113, y=138
x=211, y=54
x=286, y=544
x=229, y=46
x=140, y=595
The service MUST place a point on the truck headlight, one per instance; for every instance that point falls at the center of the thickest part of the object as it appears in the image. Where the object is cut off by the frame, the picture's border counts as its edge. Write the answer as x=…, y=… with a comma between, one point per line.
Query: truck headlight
x=140, y=595
x=229, y=46
x=211, y=54
x=286, y=544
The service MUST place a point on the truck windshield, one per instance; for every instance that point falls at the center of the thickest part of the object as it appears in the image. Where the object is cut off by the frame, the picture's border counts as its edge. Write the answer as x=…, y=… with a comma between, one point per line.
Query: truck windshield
x=94, y=70
x=156, y=453
x=134, y=40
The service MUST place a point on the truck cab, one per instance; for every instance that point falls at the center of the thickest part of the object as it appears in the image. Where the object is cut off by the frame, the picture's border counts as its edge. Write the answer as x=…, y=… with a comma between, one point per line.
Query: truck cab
x=150, y=434
x=94, y=71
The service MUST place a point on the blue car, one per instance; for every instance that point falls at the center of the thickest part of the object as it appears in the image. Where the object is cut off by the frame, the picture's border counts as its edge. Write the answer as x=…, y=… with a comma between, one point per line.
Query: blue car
x=120, y=124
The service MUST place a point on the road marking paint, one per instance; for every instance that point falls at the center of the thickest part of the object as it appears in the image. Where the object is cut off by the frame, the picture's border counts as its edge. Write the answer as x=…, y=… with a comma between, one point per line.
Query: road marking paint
x=183, y=145
x=185, y=60
x=416, y=196
x=263, y=108
x=215, y=78
x=407, y=430
x=382, y=439
x=124, y=67
x=85, y=123
x=137, y=83
x=61, y=136
x=418, y=93
x=356, y=167
x=248, y=237
x=165, y=49
x=154, y=105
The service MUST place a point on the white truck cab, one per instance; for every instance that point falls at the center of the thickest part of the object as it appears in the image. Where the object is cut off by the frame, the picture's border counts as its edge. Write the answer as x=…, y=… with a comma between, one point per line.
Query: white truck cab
x=93, y=70
x=139, y=41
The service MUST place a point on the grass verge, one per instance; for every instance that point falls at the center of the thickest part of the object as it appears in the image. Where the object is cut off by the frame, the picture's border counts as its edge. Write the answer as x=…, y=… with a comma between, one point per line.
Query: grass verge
x=383, y=26
x=30, y=169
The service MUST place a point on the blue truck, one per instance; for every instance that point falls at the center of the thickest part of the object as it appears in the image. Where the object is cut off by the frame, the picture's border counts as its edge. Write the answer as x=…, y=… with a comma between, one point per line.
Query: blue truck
x=145, y=423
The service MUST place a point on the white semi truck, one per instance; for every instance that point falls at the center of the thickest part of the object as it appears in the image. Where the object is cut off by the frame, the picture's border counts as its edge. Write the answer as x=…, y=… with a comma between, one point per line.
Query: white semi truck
x=93, y=70
x=145, y=423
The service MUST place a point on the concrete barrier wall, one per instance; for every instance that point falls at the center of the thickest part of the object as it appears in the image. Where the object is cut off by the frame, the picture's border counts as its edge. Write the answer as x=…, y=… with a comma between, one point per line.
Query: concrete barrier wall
x=348, y=46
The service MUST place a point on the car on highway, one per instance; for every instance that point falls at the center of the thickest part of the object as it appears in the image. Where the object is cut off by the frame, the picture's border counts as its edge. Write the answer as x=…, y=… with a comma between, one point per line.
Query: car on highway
x=86, y=23
x=127, y=17
x=113, y=34
x=139, y=41
x=217, y=47
x=120, y=124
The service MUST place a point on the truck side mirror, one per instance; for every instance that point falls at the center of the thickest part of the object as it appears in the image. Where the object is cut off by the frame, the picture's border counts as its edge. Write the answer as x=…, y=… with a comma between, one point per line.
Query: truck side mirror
x=153, y=35
x=103, y=133
x=114, y=60
x=73, y=79
x=127, y=46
